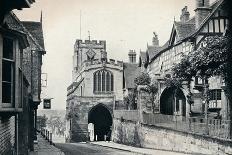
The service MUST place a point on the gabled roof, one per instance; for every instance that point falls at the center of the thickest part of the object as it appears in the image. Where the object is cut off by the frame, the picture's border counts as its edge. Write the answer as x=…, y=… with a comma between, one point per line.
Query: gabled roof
x=160, y=50
x=143, y=58
x=35, y=28
x=130, y=72
x=188, y=29
x=13, y=23
x=152, y=51
x=214, y=8
x=184, y=29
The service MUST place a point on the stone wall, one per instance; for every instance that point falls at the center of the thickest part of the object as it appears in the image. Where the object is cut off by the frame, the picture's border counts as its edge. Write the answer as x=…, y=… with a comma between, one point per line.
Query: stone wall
x=136, y=134
x=7, y=135
x=79, y=108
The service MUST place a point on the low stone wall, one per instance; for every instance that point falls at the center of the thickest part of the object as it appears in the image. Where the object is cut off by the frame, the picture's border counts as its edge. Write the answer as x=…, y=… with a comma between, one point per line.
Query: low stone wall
x=136, y=134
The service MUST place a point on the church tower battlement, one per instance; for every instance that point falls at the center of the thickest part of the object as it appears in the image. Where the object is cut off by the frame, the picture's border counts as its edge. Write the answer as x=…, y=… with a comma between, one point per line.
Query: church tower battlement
x=88, y=50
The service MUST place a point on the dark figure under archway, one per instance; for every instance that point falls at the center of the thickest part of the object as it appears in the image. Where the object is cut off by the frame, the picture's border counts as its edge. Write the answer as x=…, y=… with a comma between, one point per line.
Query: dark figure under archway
x=101, y=117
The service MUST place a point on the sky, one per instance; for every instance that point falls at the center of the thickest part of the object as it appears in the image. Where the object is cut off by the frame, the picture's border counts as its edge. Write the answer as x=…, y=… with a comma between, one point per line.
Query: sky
x=124, y=24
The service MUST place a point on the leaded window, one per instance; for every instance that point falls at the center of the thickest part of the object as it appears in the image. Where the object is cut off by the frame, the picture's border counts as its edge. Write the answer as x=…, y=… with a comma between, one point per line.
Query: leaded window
x=8, y=67
x=103, y=81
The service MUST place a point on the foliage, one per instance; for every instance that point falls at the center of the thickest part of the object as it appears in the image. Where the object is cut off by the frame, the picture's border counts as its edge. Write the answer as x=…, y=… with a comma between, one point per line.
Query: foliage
x=143, y=79
x=42, y=120
x=209, y=60
x=183, y=70
x=173, y=83
x=130, y=100
x=206, y=61
x=151, y=87
x=56, y=122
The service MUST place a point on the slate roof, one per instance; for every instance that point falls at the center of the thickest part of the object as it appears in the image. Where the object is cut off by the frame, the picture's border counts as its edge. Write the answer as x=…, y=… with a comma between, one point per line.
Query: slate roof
x=184, y=29
x=35, y=28
x=35, y=33
x=13, y=23
x=130, y=72
x=152, y=51
x=143, y=56
x=159, y=51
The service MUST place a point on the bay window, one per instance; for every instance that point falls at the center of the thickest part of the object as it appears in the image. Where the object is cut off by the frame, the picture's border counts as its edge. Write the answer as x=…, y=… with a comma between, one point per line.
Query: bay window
x=8, y=72
x=11, y=76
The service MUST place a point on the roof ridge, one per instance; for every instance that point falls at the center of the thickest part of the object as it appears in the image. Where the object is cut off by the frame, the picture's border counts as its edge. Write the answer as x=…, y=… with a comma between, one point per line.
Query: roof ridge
x=29, y=34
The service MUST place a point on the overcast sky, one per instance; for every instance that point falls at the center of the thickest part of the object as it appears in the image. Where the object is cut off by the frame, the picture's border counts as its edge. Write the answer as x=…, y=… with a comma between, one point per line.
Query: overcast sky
x=124, y=24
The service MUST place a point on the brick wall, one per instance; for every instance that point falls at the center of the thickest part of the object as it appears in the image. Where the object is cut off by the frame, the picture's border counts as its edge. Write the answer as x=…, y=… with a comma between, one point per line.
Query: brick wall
x=7, y=135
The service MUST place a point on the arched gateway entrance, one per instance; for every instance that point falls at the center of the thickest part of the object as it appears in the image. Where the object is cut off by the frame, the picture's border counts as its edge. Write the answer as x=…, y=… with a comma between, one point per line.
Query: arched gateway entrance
x=173, y=101
x=101, y=117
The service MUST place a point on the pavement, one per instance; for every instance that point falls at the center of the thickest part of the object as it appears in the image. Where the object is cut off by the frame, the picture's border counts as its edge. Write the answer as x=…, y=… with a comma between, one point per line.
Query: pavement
x=135, y=149
x=44, y=148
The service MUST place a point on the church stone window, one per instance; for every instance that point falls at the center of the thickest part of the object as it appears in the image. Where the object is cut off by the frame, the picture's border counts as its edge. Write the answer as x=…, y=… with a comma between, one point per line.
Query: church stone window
x=103, y=81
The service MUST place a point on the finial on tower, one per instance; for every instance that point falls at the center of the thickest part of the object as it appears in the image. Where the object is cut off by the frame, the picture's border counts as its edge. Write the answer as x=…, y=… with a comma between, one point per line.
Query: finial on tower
x=89, y=35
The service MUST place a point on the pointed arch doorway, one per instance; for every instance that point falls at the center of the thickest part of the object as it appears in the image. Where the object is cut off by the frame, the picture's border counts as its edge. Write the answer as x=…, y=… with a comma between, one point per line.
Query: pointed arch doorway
x=101, y=119
x=173, y=102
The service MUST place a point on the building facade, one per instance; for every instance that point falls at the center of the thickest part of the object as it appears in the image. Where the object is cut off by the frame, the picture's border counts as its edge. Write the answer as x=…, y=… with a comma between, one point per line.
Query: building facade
x=187, y=35
x=21, y=53
x=95, y=87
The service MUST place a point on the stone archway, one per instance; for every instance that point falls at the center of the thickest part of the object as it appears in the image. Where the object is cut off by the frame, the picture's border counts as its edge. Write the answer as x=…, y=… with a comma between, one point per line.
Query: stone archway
x=173, y=101
x=101, y=117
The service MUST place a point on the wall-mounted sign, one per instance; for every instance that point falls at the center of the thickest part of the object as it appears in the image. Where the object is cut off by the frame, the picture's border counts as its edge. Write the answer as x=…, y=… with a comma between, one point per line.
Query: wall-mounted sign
x=47, y=103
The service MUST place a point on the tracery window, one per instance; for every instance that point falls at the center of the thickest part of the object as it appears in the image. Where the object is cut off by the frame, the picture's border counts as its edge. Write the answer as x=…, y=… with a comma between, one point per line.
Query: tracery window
x=103, y=81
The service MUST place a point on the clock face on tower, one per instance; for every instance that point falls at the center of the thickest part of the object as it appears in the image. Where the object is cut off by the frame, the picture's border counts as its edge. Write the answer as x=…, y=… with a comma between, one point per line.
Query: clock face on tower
x=90, y=53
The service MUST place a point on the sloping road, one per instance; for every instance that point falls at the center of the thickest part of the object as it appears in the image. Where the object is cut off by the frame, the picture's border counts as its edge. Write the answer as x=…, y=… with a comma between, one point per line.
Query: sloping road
x=90, y=149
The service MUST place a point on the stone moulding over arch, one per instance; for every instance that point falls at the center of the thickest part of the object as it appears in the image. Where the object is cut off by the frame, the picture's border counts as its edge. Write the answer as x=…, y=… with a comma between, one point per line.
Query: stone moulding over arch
x=167, y=104
x=184, y=90
x=101, y=104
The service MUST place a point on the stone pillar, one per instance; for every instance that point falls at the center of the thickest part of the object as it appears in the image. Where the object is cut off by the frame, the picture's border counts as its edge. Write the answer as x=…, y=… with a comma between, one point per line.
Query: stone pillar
x=188, y=98
x=181, y=107
x=175, y=112
x=35, y=124
x=143, y=96
x=225, y=107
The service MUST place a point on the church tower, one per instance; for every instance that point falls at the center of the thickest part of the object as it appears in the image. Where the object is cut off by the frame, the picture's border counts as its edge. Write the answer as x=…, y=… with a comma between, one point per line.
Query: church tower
x=88, y=51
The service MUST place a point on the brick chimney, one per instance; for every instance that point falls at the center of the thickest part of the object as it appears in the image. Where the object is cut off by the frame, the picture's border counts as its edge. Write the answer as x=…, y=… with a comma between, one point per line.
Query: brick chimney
x=155, y=40
x=202, y=10
x=184, y=15
x=132, y=56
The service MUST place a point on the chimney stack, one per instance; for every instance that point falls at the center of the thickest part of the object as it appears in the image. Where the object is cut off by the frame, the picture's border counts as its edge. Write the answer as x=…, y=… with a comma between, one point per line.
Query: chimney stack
x=184, y=15
x=155, y=40
x=202, y=11
x=132, y=56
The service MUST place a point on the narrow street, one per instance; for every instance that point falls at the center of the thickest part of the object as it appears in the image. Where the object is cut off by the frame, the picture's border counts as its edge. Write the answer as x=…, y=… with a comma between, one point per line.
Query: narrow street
x=89, y=149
